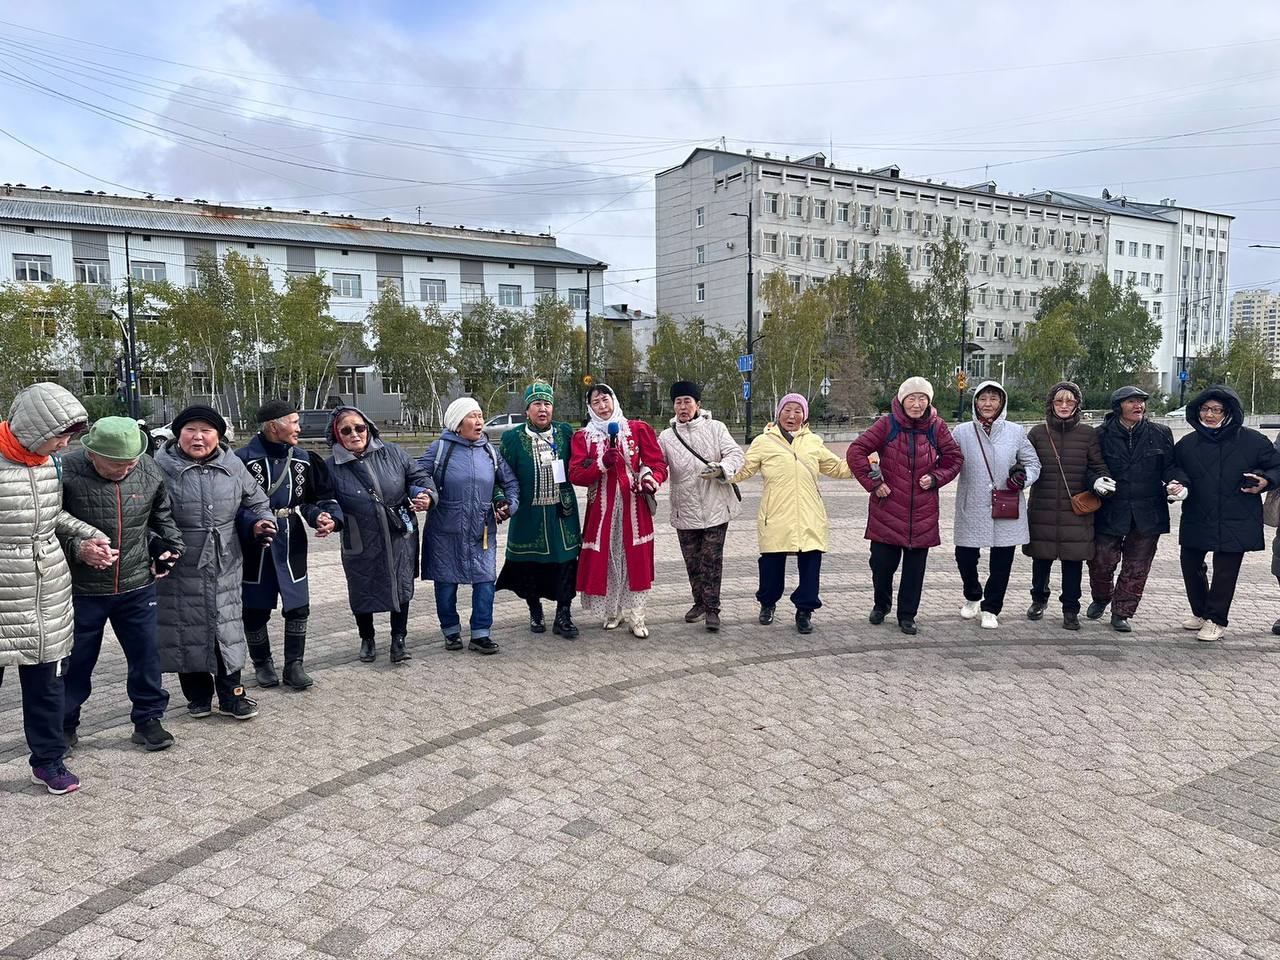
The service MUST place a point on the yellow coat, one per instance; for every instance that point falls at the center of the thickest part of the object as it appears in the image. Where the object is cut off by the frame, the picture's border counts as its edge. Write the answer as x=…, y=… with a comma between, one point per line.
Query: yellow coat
x=792, y=517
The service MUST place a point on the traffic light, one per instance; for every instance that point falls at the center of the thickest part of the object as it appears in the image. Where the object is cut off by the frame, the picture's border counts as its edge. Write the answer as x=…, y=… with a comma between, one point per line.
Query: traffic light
x=962, y=381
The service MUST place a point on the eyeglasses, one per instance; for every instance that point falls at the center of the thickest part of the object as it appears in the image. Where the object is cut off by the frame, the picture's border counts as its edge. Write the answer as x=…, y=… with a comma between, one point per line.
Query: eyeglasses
x=1214, y=408
x=353, y=429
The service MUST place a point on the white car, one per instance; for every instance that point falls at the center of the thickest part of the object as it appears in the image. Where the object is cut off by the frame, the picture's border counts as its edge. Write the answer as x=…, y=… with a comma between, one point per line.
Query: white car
x=500, y=424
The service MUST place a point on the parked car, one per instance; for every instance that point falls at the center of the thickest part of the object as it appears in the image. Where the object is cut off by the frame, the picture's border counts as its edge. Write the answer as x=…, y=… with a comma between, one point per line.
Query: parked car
x=312, y=424
x=500, y=424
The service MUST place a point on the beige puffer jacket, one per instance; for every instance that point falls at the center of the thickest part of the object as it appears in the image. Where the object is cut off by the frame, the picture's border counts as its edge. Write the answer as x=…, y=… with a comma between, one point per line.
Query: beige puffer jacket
x=35, y=583
x=697, y=504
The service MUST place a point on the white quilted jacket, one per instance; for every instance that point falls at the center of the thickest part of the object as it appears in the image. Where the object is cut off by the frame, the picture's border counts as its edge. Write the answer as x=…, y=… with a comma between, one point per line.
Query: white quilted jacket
x=697, y=504
x=35, y=583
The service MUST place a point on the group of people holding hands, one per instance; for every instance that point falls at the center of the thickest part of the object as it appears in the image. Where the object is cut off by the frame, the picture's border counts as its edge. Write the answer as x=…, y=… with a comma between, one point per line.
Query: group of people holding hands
x=187, y=553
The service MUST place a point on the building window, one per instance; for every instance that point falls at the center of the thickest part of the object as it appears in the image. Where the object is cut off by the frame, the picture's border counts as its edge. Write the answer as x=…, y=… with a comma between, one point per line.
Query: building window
x=1051, y=237
x=393, y=386
x=33, y=267
x=195, y=276
x=842, y=249
x=700, y=217
x=864, y=215
x=700, y=253
x=1018, y=233
x=771, y=203
x=770, y=243
x=151, y=385
x=795, y=206
x=1033, y=300
x=344, y=285
x=1146, y=250
x=433, y=291
x=1159, y=284
x=820, y=247
x=578, y=299
x=1000, y=298
x=1015, y=330
x=510, y=295
x=998, y=327
x=1051, y=269
x=926, y=259
x=1017, y=299
x=886, y=217
x=909, y=219
x=94, y=272
x=153, y=272
x=842, y=212
x=864, y=252
x=966, y=229
x=1035, y=268
x=928, y=223
x=1146, y=280
x=351, y=381
x=1097, y=243
x=984, y=263
x=543, y=294
x=908, y=256
x=797, y=283
x=1132, y=276
x=1159, y=251
x=819, y=209
x=700, y=293
x=984, y=230
x=980, y=330
x=1002, y=265
x=1017, y=266
x=795, y=246
x=472, y=292
x=394, y=284
x=1155, y=309
x=948, y=225
x=982, y=296
x=1035, y=236
x=1117, y=277
x=1133, y=248
x=200, y=383
x=1002, y=232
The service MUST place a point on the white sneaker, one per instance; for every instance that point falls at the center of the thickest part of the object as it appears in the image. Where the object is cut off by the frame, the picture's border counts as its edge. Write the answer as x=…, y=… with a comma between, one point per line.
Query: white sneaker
x=1210, y=632
x=1193, y=623
x=989, y=620
x=970, y=609
x=612, y=623
x=638, y=629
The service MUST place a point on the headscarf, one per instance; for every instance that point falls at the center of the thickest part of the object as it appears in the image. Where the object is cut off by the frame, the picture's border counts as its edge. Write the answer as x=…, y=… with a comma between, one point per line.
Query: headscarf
x=597, y=426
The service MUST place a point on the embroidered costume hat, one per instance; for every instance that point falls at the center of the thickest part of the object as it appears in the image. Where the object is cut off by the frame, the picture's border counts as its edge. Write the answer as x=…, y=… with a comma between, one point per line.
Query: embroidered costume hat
x=538, y=391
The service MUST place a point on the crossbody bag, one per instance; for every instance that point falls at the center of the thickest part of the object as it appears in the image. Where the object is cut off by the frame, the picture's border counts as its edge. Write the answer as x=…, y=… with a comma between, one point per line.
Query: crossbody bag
x=1086, y=501
x=676, y=430
x=1005, y=504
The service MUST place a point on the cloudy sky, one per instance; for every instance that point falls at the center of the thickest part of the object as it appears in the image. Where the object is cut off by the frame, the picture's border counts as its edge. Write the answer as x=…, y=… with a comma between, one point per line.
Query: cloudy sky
x=541, y=115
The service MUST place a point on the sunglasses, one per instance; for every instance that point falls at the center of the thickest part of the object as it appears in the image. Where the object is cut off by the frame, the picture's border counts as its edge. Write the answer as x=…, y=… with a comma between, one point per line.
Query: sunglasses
x=353, y=429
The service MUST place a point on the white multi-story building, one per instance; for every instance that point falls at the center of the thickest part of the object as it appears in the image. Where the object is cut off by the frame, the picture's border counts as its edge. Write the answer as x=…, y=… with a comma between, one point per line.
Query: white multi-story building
x=1260, y=309
x=810, y=220
x=48, y=235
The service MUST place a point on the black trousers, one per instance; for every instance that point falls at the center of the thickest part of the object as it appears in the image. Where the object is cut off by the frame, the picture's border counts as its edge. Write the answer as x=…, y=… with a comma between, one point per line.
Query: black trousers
x=885, y=558
x=773, y=579
x=1210, y=601
x=1072, y=575
x=42, y=711
x=200, y=687
x=255, y=618
x=399, y=623
x=992, y=592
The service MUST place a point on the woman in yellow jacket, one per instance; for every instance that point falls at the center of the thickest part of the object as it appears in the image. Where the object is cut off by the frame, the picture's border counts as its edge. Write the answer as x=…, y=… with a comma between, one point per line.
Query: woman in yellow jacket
x=791, y=518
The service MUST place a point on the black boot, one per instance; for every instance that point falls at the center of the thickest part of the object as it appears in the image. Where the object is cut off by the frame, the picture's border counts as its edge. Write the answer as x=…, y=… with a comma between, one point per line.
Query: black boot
x=264, y=668
x=804, y=621
x=564, y=625
x=295, y=645
x=399, y=653
x=536, y=622
x=368, y=650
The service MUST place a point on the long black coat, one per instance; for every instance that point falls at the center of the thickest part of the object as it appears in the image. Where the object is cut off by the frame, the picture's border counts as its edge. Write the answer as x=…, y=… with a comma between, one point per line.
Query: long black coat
x=1216, y=515
x=1141, y=463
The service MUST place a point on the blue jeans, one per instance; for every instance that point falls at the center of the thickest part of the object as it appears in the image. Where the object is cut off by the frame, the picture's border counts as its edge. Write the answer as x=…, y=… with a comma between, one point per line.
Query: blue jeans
x=133, y=618
x=481, y=608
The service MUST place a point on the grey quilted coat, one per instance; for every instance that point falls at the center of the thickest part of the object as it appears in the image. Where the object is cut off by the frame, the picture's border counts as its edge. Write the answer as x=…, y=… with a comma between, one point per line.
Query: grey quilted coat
x=35, y=583
x=1008, y=445
x=199, y=603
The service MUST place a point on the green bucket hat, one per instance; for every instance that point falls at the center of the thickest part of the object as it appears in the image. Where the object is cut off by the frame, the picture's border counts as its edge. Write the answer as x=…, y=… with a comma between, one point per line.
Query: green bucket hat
x=538, y=391
x=116, y=438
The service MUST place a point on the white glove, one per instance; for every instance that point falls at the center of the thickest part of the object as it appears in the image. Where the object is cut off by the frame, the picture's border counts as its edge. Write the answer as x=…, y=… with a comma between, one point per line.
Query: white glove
x=712, y=471
x=1182, y=494
x=1104, y=486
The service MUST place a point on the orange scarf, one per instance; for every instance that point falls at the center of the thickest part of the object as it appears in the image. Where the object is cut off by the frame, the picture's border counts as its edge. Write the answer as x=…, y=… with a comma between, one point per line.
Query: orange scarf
x=15, y=452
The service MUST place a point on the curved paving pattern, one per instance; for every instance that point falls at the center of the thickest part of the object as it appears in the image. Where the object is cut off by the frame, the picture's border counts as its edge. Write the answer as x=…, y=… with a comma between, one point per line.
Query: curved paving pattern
x=1027, y=793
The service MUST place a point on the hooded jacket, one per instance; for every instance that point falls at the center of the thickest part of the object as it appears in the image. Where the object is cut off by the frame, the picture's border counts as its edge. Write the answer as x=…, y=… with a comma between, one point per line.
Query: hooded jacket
x=380, y=564
x=1140, y=460
x=35, y=582
x=1006, y=447
x=1057, y=532
x=1216, y=515
x=908, y=516
x=697, y=504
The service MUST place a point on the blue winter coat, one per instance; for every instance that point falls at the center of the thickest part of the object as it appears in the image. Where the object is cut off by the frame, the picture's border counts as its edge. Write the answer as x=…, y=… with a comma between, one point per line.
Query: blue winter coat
x=461, y=542
x=379, y=564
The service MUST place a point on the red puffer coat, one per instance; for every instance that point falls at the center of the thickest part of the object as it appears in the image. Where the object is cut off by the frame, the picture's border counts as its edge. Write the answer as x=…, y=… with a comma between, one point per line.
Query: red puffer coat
x=908, y=517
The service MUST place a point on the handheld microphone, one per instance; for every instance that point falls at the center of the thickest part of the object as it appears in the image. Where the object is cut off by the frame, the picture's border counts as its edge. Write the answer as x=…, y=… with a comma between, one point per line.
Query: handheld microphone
x=613, y=433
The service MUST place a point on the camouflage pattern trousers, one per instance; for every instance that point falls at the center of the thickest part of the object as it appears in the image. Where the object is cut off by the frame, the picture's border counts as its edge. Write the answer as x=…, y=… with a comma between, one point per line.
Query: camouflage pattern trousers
x=704, y=559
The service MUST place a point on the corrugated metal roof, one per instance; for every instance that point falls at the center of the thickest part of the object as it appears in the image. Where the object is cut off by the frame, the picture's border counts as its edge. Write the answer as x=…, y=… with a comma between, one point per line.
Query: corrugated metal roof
x=1099, y=205
x=108, y=217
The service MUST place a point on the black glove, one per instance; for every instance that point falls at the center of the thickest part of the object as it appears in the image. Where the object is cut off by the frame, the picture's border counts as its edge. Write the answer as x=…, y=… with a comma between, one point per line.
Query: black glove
x=1017, y=476
x=155, y=548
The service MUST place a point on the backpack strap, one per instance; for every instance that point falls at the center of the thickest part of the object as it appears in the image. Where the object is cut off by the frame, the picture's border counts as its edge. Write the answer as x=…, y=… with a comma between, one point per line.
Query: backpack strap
x=440, y=465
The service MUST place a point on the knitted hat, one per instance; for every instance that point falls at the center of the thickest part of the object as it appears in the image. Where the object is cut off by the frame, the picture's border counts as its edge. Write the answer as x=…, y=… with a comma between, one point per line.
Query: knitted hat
x=457, y=411
x=202, y=413
x=274, y=410
x=686, y=388
x=915, y=385
x=116, y=438
x=538, y=391
x=792, y=398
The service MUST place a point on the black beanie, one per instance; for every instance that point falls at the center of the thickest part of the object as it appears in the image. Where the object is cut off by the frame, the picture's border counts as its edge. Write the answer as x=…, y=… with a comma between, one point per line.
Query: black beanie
x=274, y=410
x=199, y=412
x=686, y=388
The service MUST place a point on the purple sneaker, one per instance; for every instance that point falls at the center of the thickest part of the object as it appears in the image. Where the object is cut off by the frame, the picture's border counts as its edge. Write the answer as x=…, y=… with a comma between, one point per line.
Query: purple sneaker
x=57, y=779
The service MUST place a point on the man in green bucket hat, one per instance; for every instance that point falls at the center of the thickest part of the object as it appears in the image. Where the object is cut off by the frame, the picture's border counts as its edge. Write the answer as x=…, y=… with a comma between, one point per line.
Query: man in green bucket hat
x=111, y=481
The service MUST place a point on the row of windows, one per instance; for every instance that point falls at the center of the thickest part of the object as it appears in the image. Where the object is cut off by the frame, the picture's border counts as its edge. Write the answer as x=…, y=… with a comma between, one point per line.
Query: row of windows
x=1144, y=278
x=1209, y=232
x=1132, y=247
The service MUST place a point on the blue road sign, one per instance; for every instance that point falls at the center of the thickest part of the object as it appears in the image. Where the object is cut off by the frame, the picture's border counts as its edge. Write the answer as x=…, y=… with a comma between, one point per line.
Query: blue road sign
x=746, y=389
x=1182, y=375
x=746, y=363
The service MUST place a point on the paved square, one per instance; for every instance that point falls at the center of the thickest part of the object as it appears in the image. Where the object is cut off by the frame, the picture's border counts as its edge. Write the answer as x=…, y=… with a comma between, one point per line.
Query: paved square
x=1019, y=793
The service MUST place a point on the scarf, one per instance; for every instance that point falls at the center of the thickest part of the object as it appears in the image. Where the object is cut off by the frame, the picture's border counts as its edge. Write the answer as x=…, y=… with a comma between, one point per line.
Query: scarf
x=598, y=427
x=13, y=451
x=988, y=423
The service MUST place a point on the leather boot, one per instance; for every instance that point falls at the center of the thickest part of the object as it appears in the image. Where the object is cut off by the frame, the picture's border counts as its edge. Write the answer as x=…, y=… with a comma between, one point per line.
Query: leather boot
x=368, y=650
x=564, y=625
x=536, y=622
x=399, y=653
x=264, y=668
x=295, y=645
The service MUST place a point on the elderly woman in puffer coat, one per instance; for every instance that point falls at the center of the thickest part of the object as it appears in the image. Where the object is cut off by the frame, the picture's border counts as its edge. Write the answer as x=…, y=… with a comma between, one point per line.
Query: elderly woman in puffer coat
x=997, y=457
x=791, y=518
x=35, y=582
x=701, y=456
x=477, y=490
x=917, y=456
x=200, y=633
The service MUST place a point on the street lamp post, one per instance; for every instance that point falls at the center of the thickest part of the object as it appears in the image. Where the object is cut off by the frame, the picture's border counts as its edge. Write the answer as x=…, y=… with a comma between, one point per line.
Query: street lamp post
x=750, y=320
x=964, y=336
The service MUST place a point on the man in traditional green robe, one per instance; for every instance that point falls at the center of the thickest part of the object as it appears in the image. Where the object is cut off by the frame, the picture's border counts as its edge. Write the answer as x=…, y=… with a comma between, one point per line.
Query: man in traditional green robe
x=544, y=536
